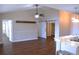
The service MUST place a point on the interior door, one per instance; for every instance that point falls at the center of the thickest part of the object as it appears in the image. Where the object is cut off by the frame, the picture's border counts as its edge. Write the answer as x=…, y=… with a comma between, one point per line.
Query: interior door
x=50, y=29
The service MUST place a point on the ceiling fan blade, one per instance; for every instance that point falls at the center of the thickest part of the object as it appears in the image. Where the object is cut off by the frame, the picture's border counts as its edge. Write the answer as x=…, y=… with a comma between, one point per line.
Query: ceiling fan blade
x=42, y=15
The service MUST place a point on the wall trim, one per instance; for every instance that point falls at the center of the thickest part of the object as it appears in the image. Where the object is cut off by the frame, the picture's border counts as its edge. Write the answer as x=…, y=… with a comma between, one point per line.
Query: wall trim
x=24, y=40
x=25, y=22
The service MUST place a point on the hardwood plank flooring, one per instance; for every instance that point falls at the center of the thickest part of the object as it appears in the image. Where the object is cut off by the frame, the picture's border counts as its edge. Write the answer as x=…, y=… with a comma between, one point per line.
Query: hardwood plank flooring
x=33, y=47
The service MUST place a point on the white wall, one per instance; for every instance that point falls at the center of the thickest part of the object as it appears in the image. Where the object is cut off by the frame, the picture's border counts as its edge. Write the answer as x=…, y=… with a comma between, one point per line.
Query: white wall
x=24, y=31
x=75, y=29
x=42, y=29
x=17, y=15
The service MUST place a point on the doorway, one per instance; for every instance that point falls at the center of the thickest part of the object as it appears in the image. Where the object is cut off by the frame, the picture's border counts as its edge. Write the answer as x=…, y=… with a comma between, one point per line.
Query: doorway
x=50, y=29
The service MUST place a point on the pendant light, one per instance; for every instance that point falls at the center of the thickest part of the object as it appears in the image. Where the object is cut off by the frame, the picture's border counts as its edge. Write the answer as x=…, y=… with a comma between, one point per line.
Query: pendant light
x=74, y=18
x=36, y=14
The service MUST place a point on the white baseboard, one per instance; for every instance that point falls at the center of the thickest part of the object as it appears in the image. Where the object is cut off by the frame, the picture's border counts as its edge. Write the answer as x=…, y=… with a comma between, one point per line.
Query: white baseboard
x=24, y=40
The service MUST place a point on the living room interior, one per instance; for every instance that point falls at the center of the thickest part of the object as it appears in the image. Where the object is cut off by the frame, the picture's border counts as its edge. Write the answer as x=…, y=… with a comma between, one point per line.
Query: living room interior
x=39, y=29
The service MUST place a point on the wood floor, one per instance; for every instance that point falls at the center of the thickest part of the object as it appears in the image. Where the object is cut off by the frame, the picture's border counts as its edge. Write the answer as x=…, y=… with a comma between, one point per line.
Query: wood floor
x=34, y=47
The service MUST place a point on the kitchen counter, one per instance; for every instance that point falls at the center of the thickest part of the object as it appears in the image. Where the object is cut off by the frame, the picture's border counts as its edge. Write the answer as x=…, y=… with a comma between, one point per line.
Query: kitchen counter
x=73, y=40
x=70, y=43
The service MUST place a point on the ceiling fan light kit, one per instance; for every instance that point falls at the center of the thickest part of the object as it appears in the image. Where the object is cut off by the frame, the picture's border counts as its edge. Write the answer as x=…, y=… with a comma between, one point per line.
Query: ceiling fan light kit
x=36, y=15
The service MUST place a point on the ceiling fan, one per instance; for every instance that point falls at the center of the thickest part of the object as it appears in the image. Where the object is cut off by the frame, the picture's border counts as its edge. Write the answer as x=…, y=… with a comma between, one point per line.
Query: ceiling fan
x=37, y=14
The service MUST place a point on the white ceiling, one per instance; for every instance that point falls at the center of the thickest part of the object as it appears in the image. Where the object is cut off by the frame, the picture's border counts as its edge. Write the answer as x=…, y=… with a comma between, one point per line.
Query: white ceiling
x=13, y=7
x=67, y=7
